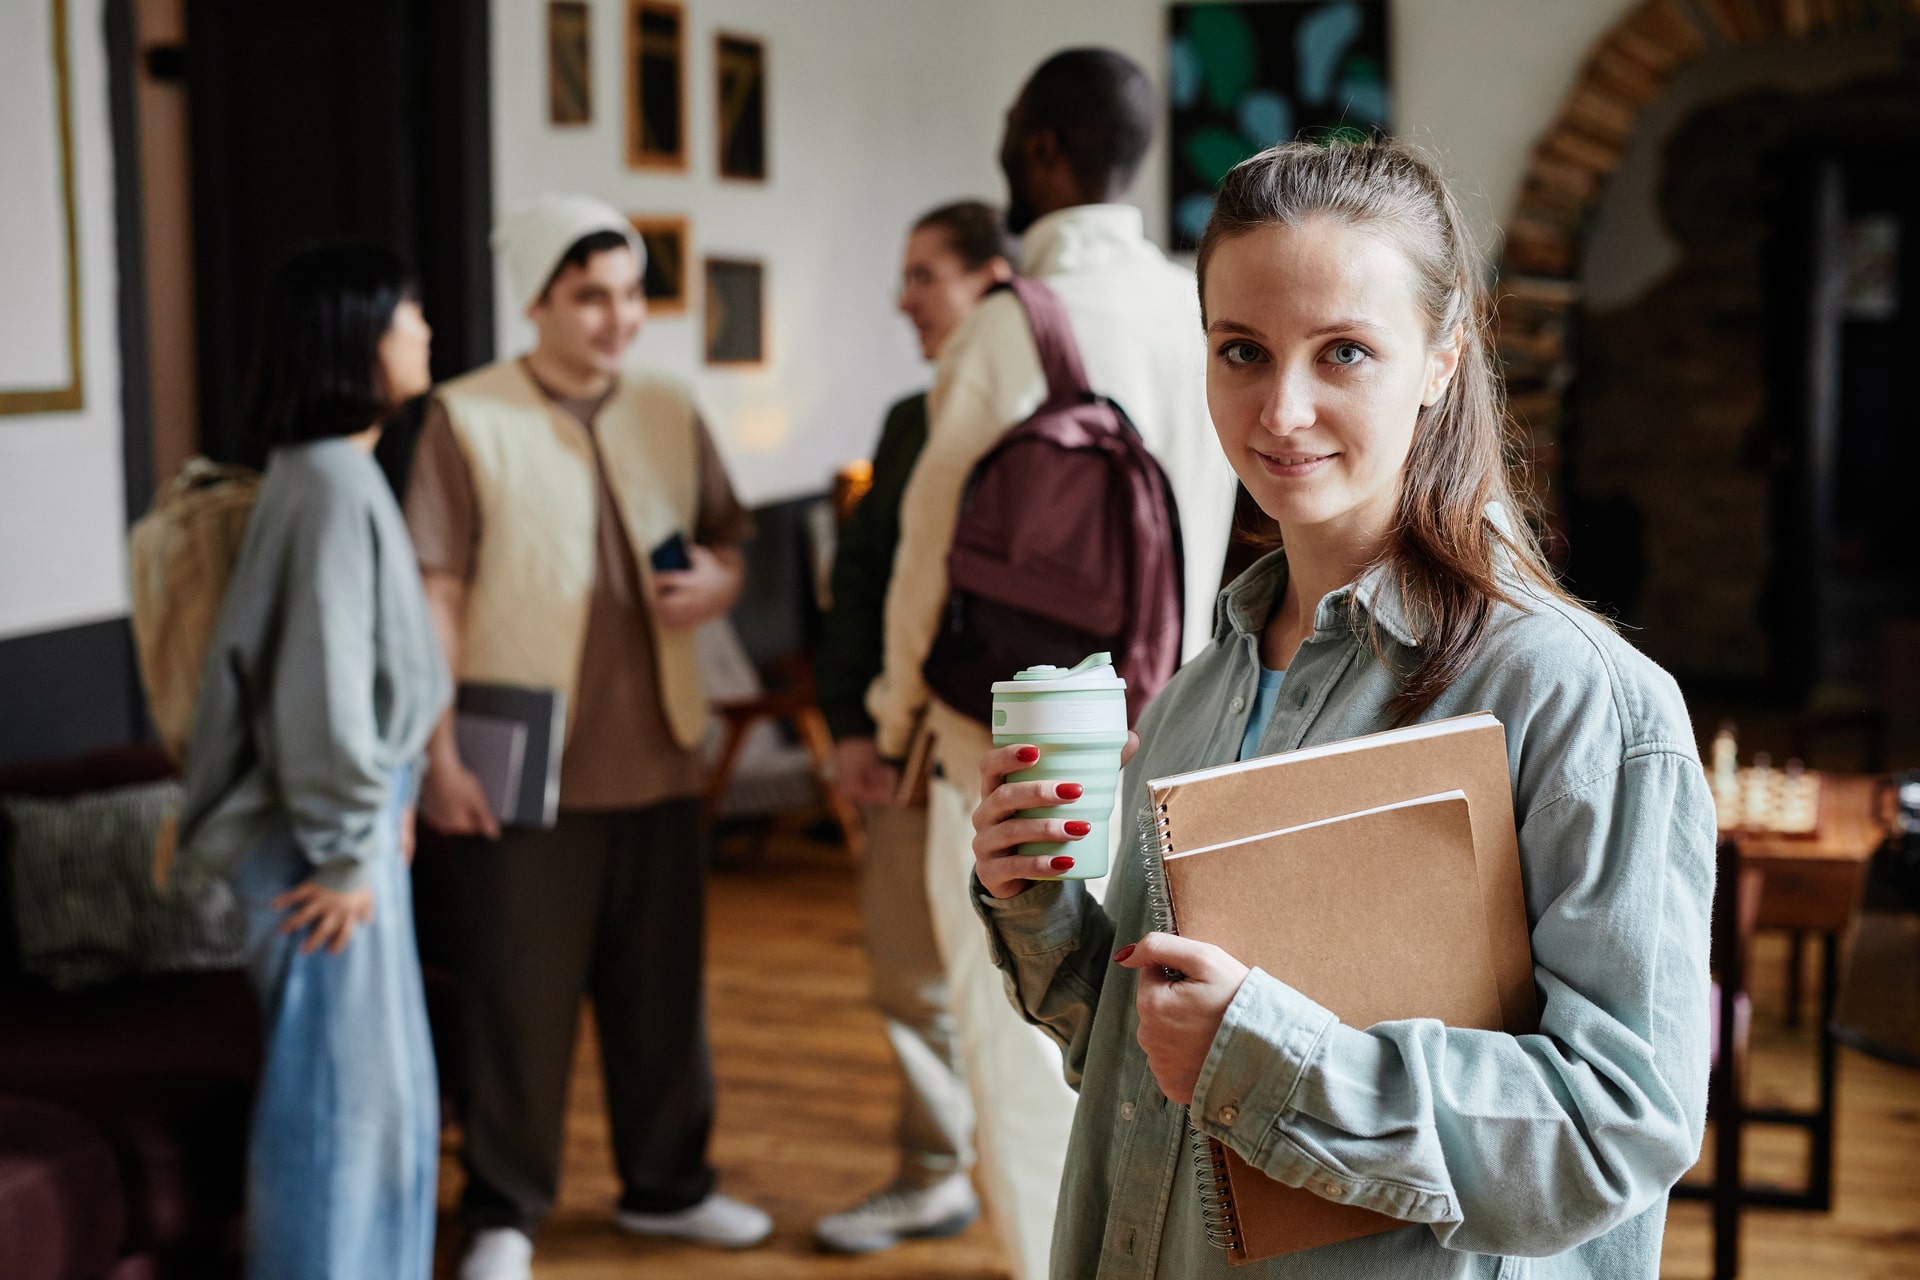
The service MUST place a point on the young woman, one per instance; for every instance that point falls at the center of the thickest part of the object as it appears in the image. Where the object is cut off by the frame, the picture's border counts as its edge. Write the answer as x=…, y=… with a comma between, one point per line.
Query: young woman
x=954, y=255
x=322, y=684
x=1352, y=387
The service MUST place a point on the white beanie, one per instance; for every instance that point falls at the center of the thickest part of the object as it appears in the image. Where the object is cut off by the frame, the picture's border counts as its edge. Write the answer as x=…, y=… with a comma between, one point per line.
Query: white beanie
x=535, y=236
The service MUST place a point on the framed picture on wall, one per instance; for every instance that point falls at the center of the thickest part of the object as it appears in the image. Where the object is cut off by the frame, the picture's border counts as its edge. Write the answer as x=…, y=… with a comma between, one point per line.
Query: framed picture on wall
x=656, y=85
x=740, y=78
x=569, y=63
x=1243, y=76
x=40, y=306
x=665, y=279
x=736, y=312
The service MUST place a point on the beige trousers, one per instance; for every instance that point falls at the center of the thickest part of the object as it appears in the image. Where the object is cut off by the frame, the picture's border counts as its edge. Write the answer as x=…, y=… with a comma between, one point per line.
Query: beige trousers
x=935, y=1131
x=1022, y=1105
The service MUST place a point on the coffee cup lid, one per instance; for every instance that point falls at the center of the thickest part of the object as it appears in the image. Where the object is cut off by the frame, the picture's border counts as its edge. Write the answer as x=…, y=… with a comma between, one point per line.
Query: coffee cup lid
x=1095, y=671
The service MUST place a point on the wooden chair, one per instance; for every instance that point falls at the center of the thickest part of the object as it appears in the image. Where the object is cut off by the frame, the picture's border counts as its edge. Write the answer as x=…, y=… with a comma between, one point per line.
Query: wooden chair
x=1868, y=727
x=1736, y=906
x=792, y=702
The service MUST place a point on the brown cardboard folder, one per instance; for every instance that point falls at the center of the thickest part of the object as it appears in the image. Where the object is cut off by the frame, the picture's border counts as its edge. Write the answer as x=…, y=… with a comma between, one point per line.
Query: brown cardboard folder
x=1380, y=878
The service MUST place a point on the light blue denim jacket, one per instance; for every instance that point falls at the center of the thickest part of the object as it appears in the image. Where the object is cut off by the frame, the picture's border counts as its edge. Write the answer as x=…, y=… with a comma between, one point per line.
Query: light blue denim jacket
x=1544, y=1155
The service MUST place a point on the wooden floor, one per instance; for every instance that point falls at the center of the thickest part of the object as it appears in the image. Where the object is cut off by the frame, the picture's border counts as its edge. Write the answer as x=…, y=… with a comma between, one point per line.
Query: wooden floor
x=807, y=1102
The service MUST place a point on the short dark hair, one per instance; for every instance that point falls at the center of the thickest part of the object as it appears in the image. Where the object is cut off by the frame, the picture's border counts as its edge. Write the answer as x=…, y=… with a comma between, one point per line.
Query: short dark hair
x=581, y=250
x=975, y=229
x=1100, y=105
x=316, y=366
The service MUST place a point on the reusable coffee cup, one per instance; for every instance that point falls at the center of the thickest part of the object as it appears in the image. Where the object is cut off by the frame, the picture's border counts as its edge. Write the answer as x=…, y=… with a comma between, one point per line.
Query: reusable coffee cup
x=1078, y=720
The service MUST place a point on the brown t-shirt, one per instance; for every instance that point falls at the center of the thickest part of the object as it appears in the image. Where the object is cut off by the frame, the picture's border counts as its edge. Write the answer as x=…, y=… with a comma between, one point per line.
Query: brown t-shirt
x=620, y=752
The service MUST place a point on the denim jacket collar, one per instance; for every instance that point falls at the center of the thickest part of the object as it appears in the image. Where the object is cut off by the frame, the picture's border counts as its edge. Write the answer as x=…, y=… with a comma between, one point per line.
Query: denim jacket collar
x=1247, y=602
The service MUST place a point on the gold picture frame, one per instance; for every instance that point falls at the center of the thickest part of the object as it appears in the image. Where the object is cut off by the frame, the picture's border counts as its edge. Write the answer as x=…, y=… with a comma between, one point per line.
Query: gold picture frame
x=569, y=62
x=740, y=101
x=656, y=89
x=72, y=396
x=667, y=280
x=736, y=303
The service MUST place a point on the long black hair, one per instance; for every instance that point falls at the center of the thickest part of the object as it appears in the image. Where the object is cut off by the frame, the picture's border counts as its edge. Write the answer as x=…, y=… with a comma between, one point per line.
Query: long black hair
x=316, y=366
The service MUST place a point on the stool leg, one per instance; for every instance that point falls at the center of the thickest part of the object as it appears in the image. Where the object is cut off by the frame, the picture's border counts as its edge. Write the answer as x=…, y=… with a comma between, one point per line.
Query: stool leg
x=1728, y=1121
x=723, y=767
x=1796, y=974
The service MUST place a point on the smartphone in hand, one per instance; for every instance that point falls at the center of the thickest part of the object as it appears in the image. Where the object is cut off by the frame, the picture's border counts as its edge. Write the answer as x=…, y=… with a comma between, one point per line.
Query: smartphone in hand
x=670, y=556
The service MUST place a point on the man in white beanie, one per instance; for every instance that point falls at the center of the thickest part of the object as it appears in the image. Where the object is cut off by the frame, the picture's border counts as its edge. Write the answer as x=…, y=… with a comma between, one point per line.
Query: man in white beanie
x=551, y=498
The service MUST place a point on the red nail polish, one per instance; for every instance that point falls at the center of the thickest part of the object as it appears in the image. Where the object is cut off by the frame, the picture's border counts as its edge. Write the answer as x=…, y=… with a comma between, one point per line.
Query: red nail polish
x=1070, y=791
x=1123, y=953
x=1079, y=828
x=1062, y=863
x=1028, y=755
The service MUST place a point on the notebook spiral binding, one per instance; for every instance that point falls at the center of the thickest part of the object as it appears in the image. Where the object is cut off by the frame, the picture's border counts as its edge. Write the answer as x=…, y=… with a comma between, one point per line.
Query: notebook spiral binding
x=1209, y=1158
x=1155, y=844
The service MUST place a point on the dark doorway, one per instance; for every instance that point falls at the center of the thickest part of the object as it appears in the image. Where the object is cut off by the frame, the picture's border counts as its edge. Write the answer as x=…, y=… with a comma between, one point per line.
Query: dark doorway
x=1739, y=456
x=1843, y=283
x=356, y=118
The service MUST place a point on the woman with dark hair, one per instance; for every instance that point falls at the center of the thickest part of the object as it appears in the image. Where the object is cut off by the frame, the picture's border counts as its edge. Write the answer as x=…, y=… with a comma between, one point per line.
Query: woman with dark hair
x=954, y=255
x=1353, y=388
x=322, y=683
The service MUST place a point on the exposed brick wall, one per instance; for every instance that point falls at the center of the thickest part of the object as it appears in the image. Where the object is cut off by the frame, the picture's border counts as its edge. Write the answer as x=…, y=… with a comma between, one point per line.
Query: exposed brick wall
x=1670, y=391
x=1579, y=150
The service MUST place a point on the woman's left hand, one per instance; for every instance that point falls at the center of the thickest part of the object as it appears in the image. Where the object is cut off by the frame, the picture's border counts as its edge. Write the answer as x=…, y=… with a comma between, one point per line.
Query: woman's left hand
x=1180, y=1013
x=328, y=915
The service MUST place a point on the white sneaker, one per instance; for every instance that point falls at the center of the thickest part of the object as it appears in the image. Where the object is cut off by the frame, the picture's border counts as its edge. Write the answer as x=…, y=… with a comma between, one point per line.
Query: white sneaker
x=498, y=1253
x=901, y=1213
x=717, y=1220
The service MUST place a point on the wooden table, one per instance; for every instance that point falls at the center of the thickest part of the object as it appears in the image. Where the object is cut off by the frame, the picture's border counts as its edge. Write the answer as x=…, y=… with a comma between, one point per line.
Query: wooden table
x=1813, y=885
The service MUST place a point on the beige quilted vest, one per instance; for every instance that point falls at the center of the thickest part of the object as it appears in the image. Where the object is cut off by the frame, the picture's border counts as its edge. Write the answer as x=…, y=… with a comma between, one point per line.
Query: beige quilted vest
x=533, y=478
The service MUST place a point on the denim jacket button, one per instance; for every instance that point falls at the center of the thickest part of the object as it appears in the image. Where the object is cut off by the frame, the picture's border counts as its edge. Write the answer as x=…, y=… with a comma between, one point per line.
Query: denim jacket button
x=1238, y=703
x=1332, y=1190
x=1126, y=1111
x=1229, y=1113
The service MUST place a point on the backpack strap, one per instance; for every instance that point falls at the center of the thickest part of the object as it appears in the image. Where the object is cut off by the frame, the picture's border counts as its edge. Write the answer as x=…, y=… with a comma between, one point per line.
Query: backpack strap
x=1059, y=354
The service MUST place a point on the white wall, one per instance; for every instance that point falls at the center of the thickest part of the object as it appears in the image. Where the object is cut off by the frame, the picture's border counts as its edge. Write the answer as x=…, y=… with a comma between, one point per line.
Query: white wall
x=879, y=109
x=1478, y=82
x=62, y=513
x=876, y=112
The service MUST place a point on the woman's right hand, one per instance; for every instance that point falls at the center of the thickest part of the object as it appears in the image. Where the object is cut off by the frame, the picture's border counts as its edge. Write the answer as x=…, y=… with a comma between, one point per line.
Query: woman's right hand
x=1003, y=870
x=453, y=802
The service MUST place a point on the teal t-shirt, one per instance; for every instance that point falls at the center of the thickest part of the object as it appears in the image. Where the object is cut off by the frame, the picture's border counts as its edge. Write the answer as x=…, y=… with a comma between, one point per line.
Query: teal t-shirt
x=1263, y=700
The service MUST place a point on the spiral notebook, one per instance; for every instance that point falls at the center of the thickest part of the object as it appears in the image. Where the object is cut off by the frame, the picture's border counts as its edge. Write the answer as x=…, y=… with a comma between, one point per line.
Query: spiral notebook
x=1380, y=877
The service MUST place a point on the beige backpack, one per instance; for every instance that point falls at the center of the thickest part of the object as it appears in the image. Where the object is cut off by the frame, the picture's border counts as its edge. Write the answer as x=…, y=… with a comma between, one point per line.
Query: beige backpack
x=179, y=556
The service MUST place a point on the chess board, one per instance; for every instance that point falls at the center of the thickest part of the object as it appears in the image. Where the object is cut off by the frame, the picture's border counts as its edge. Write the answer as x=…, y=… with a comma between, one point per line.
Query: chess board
x=1771, y=801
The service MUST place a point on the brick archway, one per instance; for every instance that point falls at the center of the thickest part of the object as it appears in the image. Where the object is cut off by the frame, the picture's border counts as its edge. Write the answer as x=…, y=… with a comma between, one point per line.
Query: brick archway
x=1627, y=69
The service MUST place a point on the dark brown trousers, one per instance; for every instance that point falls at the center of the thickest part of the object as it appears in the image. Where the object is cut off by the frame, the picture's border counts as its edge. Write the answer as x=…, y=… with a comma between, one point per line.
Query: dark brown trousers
x=609, y=906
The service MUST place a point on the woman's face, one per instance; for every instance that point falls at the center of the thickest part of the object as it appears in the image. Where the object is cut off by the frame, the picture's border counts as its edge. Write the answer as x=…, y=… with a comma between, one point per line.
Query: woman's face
x=936, y=289
x=404, y=352
x=1318, y=363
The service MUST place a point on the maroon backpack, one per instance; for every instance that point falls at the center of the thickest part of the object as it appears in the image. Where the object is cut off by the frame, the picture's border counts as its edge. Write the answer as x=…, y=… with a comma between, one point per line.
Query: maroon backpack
x=1067, y=543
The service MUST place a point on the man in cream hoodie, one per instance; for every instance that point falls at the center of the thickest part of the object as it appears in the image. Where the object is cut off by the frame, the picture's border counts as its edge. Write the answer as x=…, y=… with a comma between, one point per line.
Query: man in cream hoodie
x=542, y=488
x=1074, y=139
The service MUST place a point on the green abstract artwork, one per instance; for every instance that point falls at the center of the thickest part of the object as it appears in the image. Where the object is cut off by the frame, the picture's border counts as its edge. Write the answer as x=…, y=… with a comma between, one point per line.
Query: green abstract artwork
x=1244, y=76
